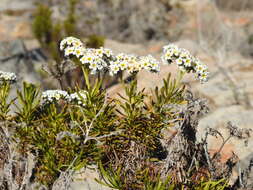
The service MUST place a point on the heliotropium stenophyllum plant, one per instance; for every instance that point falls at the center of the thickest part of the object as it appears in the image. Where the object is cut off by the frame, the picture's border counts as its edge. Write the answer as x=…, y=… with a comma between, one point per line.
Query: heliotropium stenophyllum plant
x=82, y=126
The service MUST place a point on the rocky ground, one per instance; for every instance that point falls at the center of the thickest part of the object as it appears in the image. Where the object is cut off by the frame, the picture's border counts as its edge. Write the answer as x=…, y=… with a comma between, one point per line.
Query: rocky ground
x=218, y=38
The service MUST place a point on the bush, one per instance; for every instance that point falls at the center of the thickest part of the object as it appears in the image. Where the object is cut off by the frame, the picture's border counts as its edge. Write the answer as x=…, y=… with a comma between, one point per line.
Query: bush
x=69, y=130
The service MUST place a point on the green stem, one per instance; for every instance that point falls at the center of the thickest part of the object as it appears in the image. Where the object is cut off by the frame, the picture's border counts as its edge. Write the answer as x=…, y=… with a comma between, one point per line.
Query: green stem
x=86, y=77
x=179, y=78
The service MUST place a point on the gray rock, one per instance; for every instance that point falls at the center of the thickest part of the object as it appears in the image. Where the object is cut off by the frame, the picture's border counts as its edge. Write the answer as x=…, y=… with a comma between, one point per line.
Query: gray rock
x=15, y=5
x=14, y=58
x=218, y=120
x=235, y=4
x=85, y=180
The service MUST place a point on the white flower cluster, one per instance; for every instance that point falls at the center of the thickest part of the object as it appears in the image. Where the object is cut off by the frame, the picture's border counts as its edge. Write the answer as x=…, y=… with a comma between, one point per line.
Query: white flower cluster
x=50, y=96
x=77, y=97
x=185, y=61
x=97, y=59
x=8, y=77
x=103, y=58
x=132, y=63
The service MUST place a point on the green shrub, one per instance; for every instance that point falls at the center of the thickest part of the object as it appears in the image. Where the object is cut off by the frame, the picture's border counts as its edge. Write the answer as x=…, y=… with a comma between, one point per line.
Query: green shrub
x=42, y=24
x=81, y=127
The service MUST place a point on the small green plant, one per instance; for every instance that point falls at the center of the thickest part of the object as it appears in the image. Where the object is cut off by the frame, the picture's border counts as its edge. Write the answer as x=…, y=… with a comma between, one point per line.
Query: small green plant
x=6, y=79
x=70, y=22
x=110, y=178
x=29, y=100
x=250, y=39
x=42, y=24
x=4, y=104
x=212, y=185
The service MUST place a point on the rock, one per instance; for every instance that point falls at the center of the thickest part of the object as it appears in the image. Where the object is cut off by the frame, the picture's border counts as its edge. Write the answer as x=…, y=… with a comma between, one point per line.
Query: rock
x=14, y=59
x=218, y=119
x=234, y=4
x=16, y=5
x=128, y=48
x=231, y=85
x=15, y=19
x=12, y=28
x=85, y=180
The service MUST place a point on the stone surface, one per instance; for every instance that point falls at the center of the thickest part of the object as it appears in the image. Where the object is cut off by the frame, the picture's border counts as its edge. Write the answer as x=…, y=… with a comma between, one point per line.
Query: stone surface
x=235, y=4
x=14, y=27
x=13, y=59
x=16, y=5
x=85, y=180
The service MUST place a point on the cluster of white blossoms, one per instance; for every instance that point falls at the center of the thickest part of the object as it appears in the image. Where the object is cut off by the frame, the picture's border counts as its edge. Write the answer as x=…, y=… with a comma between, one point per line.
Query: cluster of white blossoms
x=77, y=97
x=8, y=77
x=99, y=59
x=102, y=58
x=185, y=61
x=96, y=59
x=51, y=96
x=132, y=63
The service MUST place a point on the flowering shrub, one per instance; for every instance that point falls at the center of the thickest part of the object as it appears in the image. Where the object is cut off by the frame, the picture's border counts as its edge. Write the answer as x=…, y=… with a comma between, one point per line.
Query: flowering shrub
x=72, y=129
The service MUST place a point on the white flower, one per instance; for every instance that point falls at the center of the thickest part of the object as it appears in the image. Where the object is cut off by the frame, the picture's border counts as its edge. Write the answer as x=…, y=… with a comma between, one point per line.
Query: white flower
x=93, y=66
x=114, y=69
x=179, y=61
x=78, y=98
x=77, y=43
x=169, y=54
x=133, y=65
x=184, y=54
x=123, y=65
x=150, y=63
x=144, y=62
x=200, y=68
x=8, y=77
x=176, y=51
x=188, y=62
x=203, y=77
x=70, y=42
x=99, y=52
x=108, y=52
x=120, y=56
x=87, y=59
x=79, y=51
x=69, y=51
x=50, y=96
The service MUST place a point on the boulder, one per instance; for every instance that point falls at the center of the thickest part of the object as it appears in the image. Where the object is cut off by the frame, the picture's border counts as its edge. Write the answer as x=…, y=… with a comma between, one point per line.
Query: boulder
x=234, y=5
x=85, y=180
